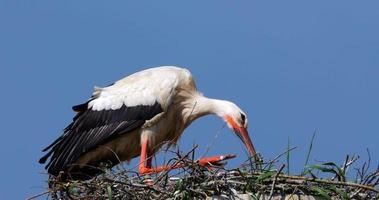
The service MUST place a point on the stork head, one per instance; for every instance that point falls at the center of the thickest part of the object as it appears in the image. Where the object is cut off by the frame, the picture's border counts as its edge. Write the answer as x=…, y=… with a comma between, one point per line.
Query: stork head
x=236, y=120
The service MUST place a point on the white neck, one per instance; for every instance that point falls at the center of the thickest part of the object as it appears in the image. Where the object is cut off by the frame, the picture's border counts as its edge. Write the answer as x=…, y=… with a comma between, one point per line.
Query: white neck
x=199, y=106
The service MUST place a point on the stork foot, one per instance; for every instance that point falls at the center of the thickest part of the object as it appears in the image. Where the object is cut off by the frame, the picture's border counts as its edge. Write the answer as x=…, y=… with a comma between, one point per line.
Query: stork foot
x=215, y=160
x=147, y=170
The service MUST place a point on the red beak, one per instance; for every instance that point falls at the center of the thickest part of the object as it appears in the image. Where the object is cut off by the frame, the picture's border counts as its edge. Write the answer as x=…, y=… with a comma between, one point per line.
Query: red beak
x=242, y=133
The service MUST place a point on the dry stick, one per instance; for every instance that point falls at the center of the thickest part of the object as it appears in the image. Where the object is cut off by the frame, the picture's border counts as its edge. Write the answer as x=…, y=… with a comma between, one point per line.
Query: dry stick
x=377, y=180
x=368, y=179
x=293, y=192
x=355, y=193
x=345, y=167
x=38, y=195
x=352, y=160
x=278, y=156
x=274, y=182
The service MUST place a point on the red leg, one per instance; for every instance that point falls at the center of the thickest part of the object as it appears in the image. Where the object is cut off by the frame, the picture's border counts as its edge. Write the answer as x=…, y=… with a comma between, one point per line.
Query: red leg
x=145, y=161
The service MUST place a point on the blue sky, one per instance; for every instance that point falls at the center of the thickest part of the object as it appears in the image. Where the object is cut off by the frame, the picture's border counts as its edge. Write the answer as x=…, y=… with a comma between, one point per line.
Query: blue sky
x=293, y=66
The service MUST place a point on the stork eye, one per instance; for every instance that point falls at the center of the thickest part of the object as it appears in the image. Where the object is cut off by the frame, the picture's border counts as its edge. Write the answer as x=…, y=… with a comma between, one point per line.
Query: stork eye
x=243, y=117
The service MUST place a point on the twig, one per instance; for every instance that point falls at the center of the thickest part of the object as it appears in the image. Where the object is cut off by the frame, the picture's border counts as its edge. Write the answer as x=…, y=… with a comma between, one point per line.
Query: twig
x=38, y=195
x=274, y=182
x=278, y=156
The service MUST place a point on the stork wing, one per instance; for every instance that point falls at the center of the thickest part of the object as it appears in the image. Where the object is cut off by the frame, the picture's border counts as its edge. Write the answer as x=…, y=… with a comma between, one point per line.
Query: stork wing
x=111, y=112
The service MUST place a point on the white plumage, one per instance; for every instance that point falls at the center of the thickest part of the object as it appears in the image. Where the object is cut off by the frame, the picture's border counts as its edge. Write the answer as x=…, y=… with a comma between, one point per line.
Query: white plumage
x=136, y=116
x=142, y=88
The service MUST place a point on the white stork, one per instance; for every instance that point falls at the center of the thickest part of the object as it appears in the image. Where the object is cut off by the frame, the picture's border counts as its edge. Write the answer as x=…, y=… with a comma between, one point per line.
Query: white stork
x=134, y=117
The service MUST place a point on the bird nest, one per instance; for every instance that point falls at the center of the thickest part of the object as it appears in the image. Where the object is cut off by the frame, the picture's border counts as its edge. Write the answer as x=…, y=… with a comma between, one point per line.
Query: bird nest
x=250, y=181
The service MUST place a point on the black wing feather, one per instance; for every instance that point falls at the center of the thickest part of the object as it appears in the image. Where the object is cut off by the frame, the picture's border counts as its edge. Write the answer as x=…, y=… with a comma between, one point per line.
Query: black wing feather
x=90, y=129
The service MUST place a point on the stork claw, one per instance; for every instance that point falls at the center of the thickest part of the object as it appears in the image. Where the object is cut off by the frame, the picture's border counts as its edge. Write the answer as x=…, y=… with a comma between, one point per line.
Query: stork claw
x=215, y=160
